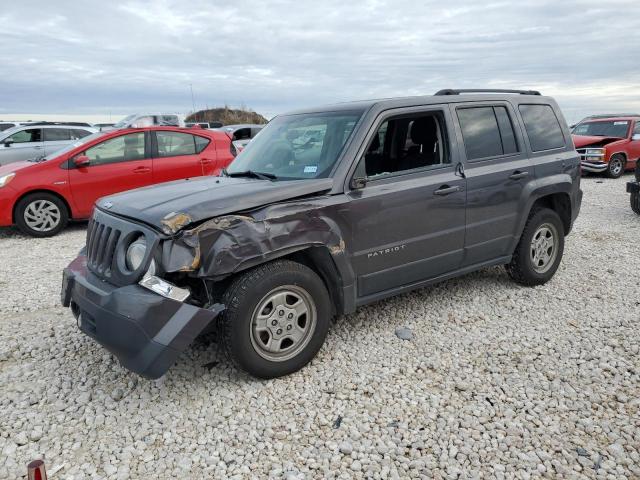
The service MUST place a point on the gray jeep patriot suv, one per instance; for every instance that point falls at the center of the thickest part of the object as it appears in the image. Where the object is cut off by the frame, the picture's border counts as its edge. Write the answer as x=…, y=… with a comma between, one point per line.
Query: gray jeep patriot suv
x=325, y=210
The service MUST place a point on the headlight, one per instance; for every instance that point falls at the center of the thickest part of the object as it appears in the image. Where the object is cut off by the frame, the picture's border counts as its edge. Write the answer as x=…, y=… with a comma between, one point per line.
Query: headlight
x=594, y=152
x=6, y=179
x=135, y=253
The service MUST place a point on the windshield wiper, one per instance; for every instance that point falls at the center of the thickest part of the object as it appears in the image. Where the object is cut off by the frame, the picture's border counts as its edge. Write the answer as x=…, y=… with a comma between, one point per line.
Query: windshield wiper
x=250, y=173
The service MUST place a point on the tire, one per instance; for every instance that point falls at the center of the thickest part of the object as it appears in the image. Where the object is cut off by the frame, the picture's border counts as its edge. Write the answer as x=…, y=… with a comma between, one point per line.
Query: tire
x=616, y=166
x=41, y=214
x=528, y=265
x=276, y=292
x=635, y=202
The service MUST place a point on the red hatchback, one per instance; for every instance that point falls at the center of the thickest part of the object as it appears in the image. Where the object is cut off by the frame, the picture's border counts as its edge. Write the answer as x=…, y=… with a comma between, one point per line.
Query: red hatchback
x=41, y=195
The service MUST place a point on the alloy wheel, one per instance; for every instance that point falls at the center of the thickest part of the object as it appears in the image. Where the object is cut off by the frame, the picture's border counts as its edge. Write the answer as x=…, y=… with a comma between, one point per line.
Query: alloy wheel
x=543, y=250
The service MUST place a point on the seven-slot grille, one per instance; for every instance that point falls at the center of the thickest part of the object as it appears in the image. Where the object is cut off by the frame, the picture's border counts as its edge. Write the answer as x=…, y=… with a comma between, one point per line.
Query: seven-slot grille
x=101, y=246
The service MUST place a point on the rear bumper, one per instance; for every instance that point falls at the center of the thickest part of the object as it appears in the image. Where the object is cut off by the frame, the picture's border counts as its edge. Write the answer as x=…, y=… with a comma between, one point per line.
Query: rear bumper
x=145, y=331
x=594, y=167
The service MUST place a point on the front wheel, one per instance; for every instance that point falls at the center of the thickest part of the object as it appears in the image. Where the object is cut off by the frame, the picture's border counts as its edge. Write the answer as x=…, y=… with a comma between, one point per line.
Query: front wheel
x=276, y=318
x=41, y=214
x=616, y=166
x=539, y=251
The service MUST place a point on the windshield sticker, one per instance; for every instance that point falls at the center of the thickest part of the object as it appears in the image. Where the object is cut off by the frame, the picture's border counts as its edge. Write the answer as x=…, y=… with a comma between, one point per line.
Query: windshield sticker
x=619, y=123
x=311, y=169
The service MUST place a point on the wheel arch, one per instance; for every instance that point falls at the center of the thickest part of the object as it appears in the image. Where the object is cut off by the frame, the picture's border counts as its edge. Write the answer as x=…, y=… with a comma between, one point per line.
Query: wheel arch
x=41, y=190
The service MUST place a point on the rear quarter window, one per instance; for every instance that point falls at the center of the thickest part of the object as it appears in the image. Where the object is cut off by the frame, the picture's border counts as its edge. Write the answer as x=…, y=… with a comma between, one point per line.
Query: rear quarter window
x=542, y=126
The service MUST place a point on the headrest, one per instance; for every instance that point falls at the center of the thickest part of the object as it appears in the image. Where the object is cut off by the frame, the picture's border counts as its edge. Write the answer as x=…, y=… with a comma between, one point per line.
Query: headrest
x=424, y=130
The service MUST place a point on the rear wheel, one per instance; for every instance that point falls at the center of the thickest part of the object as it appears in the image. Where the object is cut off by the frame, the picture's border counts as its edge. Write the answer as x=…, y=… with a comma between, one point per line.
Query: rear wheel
x=616, y=166
x=41, y=214
x=276, y=318
x=539, y=251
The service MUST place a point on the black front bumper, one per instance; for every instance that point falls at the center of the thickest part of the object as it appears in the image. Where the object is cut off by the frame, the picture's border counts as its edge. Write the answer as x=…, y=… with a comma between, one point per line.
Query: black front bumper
x=633, y=187
x=144, y=330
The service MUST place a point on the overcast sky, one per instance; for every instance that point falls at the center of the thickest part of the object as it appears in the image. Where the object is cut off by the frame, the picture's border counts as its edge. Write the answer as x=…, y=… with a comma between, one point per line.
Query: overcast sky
x=96, y=57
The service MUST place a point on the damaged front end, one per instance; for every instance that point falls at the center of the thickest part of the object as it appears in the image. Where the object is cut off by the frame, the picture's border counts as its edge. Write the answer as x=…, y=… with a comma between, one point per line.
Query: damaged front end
x=147, y=310
x=143, y=319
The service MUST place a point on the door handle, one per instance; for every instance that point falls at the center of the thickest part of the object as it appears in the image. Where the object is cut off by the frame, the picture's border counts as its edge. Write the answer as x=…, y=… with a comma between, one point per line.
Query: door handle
x=447, y=190
x=38, y=147
x=518, y=175
x=141, y=170
x=206, y=161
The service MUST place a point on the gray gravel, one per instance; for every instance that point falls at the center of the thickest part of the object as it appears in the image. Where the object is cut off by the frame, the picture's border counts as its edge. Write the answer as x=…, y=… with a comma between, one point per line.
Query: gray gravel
x=496, y=381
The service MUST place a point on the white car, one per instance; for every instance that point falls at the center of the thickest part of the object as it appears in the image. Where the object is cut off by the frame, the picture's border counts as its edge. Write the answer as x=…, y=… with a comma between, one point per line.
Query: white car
x=35, y=140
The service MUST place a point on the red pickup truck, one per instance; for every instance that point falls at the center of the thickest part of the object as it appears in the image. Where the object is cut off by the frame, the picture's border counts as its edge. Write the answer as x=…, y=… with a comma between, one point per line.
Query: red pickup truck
x=608, y=145
x=41, y=195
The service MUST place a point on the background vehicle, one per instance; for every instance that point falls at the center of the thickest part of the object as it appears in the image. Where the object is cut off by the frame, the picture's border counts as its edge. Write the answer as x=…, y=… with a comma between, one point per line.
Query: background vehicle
x=41, y=196
x=241, y=135
x=103, y=126
x=326, y=210
x=5, y=125
x=608, y=145
x=35, y=140
x=199, y=124
x=603, y=115
x=633, y=188
x=141, y=120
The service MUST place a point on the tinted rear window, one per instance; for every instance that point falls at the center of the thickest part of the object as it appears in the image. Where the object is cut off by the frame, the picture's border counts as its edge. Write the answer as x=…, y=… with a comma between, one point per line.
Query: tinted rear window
x=543, y=128
x=56, y=134
x=482, y=136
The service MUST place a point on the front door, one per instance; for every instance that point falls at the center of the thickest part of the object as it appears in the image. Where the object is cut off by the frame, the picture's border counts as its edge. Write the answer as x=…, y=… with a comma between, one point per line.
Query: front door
x=115, y=165
x=634, y=145
x=408, y=220
x=22, y=145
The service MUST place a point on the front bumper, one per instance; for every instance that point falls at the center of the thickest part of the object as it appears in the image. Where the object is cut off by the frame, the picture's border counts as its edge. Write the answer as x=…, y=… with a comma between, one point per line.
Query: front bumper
x=633, y=187
x=594, y=167
x=144, y=330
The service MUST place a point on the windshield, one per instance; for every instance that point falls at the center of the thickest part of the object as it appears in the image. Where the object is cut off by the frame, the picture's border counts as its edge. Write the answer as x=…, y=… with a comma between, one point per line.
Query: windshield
x=126, y=121
x=73, y=145
x=293, y=147
x=607, y=128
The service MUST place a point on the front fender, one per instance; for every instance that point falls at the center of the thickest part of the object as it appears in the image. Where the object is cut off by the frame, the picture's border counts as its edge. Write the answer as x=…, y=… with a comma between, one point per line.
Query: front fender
x=232, y=243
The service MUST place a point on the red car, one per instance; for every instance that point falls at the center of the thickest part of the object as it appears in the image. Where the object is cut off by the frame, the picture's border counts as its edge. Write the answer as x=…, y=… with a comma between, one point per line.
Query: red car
x=608, y=145
x=40, y=196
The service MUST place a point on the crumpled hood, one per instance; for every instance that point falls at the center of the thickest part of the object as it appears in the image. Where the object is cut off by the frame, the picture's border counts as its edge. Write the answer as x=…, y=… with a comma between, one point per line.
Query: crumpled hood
x=174, y=205
x=586, y=140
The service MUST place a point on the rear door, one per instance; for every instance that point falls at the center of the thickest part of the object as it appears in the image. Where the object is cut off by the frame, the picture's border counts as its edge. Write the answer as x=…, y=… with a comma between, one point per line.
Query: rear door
x=55, y=138
x=178, y=155
x=496, y=168
x=22, y=145
x=115, y=165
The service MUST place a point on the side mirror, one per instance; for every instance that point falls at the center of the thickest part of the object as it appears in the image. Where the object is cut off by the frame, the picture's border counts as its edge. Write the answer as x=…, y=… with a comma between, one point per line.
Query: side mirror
x=7, y=143
x=358, y=183
x=635, y=137
x=81, y=161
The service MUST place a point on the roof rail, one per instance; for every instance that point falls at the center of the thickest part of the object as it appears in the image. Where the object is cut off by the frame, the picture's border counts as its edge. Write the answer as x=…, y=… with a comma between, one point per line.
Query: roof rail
x=71, y=124
x=451, y=91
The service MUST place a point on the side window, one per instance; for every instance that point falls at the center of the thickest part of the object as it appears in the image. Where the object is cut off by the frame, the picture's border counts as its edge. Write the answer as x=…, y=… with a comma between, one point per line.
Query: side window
x=636, y=129
x=118, y=149
x=26, y=136
x=480, y=132
x=543, y=128
x=173, y=144
x=509, y=144
x=201, y=143
x=405, y=143
x=56, y=134
x=77, y=133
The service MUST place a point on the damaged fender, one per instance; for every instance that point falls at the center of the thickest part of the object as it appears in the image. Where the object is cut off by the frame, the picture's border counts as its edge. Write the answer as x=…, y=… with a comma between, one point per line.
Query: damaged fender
x=230, y=243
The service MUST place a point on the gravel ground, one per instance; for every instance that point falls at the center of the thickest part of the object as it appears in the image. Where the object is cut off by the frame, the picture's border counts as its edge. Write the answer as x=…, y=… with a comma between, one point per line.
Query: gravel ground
x=493, y=381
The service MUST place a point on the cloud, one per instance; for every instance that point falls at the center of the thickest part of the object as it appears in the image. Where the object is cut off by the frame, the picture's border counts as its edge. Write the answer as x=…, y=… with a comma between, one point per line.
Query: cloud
x=96, y=57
